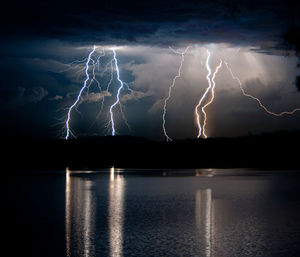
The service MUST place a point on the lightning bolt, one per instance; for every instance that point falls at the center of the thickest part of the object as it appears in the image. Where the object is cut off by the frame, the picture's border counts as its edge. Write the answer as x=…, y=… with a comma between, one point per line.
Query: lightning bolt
x=118, y=93
x=113, y=66
x=89, y=67
x=256, y=99
x=212, y=96
x=79, y=94
x=204, y=95
x=170, y=90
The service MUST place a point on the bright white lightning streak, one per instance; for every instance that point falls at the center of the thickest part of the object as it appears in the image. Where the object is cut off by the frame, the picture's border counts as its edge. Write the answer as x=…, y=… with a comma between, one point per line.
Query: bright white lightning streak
x=170, y=90
x=204, y=95
x=118, y=94
x=79, y=94
x=256, y=99
x=212, y=96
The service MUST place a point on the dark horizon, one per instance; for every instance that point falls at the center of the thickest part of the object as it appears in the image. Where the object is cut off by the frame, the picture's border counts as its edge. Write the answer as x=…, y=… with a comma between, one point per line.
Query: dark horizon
x=267, y=151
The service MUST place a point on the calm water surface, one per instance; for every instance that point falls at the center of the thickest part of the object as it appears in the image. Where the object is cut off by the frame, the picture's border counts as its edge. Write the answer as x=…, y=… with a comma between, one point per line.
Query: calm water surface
x=153, y=213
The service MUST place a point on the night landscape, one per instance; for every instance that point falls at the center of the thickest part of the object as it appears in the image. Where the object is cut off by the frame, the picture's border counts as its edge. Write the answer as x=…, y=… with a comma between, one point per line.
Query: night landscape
x=150, y=128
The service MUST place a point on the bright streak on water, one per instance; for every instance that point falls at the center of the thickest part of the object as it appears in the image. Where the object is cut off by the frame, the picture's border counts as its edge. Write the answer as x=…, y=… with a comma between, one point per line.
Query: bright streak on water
x=79, y=216
x=108, y=214
x=203, y=217
x=116, y=214
x=68, y=214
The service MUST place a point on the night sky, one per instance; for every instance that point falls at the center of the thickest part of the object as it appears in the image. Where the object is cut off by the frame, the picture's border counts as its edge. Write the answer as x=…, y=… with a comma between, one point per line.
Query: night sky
x=40, y=78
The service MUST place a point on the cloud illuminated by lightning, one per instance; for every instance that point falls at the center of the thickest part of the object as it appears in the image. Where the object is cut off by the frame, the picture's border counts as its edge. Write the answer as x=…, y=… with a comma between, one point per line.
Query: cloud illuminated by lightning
x=89, y=65
x=256, y=99
x=106, y=91
x=68, y=132
x=123, y=116
x=178, y=75
x=204, y=95
x=90, y=79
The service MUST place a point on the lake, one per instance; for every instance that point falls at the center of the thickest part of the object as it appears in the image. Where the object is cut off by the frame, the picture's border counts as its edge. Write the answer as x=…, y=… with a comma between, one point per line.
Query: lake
x=114, y=212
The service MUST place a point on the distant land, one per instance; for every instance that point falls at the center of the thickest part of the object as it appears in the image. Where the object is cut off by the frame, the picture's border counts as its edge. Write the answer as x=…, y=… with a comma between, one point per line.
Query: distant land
x=278, y=150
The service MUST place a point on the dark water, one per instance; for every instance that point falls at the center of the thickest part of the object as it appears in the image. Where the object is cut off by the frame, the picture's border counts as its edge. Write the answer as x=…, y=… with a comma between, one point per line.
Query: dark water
x=152, y=213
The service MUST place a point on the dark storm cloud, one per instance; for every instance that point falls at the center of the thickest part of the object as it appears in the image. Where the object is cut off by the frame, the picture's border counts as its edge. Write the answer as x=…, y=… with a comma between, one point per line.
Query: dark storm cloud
x=153, y=22
x=21, y=96
x=33, y=95
x=55, y=98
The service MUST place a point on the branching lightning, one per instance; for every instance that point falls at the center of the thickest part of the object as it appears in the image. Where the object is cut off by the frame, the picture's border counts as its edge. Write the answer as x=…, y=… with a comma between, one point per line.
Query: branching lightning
x=79, y=94
x=74, y=64
x=90, y=78
x=204, y=95
x=212, y=96
x=170, y=90
x=256, y=99
x=88, y=66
